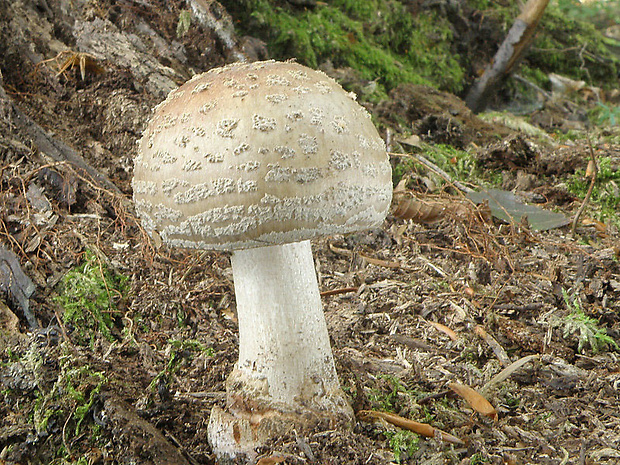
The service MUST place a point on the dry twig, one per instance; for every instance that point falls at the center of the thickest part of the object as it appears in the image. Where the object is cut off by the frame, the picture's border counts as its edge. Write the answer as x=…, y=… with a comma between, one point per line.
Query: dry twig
x=594, y=173
x=436, y=169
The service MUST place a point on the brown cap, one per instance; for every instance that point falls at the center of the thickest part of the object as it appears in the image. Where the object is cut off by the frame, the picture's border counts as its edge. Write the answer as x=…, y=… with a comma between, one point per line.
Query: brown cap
x=258, y=154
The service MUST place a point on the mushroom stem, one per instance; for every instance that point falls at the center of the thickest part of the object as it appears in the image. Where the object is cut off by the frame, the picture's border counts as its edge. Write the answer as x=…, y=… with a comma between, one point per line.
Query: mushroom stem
x=283, y=339
x=285, y=377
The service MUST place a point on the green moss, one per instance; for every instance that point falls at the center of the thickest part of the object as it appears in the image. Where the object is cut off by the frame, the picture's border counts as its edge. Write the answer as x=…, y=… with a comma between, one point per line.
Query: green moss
x=83, y=385
x=68, y=405
x=459, y=164
x=602, y=14
x=191, y=345
x=403, y=166
x=573, y=48
x=380, y=39
x=479, y=4
x=87, y=295
x=403, y=444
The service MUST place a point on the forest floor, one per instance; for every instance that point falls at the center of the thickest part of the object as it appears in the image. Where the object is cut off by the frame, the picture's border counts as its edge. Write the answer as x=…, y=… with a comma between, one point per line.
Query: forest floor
x=411, y=307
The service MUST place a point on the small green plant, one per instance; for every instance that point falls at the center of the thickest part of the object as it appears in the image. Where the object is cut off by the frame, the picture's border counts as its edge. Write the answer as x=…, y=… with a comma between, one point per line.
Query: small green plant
x=607, y=114
x=180, y=350
x=403, y=444
x=543, y=417
x=584, y=327
x=185, y=21
x=478, y=459
x=387, y=400
x=87, y=295
x=510, y=400
x=83, y=385
x=393, y=395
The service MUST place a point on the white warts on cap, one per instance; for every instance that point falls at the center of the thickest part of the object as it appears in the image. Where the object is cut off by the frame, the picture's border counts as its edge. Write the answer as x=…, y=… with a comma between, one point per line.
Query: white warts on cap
x=260, y=152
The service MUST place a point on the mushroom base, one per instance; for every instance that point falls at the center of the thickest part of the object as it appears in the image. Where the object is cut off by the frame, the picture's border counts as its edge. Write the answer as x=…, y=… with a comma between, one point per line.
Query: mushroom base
x=244, y=425
x=285, y=378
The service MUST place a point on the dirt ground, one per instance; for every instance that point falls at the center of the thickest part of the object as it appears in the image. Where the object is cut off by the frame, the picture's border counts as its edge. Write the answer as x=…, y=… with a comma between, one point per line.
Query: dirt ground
x=411, y=307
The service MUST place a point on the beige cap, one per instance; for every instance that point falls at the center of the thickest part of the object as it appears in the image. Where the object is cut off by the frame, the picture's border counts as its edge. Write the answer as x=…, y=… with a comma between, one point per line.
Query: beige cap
x=258, y=154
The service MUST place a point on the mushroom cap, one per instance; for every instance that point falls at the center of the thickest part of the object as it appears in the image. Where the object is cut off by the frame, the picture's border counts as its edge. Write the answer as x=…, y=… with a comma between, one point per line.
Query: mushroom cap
x=257, y=154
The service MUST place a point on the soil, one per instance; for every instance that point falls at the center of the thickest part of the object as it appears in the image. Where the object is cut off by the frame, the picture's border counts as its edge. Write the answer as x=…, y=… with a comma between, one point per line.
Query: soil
x=411, y=307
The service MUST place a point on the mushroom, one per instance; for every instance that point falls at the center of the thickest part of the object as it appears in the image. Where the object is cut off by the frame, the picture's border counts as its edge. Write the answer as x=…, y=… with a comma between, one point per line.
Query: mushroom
x=258, y=159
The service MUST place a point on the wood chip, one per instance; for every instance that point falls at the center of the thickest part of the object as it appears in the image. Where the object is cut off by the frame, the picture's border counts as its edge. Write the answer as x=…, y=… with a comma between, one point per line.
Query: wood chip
x=498, y=350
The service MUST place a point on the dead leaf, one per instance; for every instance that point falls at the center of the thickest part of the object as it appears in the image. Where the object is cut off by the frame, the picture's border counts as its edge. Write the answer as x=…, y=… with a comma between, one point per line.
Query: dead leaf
x=509, y=370
x=229, y=314
x=407, y=207
x=9, y=328
x=598, y=225
x=379, y=262
x=14, y=281
x=507, y=207
x=413, y=140
x=475, y=400
x=422, y=429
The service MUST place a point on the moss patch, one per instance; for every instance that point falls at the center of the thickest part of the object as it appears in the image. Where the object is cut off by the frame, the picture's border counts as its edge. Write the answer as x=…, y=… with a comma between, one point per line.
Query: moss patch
x=88, y=295
x=572, y=48
x=380, y=39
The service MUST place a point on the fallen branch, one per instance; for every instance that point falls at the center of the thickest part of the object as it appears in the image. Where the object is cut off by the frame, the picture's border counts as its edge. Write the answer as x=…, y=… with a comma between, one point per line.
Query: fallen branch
x=52, y=147
x=342, y=290
x=593, y=169
x=213, y=16
x=433, y=167
x=510, y=52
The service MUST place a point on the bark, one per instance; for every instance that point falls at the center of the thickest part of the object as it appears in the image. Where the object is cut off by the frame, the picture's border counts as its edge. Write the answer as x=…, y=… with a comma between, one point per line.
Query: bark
x=53, y=147
x=141, y=438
